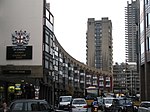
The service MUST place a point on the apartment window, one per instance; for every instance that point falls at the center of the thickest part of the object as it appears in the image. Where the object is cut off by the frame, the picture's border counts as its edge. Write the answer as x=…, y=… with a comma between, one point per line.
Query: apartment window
x=46, y=64
x=47, y=14
x=46, y=39
x=51, y=66
x=51, y=19
x=142, y=47
x=48, y=24
x=107, y=83
x=148, y=43
x=101, y=83
x=47, y=48
x=147, y=19
x=146, y=1
x=107, y=78
x=89, y=23
x=142, y=26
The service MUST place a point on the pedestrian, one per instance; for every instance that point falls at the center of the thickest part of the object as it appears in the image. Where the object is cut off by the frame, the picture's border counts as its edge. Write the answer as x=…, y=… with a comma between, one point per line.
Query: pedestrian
x=4, y=106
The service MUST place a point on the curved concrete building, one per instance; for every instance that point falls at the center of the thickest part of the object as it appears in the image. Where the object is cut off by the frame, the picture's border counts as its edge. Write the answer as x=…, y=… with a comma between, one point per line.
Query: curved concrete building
x=32, y=58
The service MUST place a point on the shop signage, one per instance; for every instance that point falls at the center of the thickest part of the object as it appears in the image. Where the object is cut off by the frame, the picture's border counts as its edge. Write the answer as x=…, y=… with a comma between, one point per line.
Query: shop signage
x=20, y=50
x=16, y=71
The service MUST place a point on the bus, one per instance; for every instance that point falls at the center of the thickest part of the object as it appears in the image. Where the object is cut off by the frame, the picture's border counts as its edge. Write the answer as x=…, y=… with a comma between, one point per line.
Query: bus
x=91, y=93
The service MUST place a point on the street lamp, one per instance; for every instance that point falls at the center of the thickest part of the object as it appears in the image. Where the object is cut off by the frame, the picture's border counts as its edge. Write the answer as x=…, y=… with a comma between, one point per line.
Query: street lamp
x=53, y=88
x=131, y=82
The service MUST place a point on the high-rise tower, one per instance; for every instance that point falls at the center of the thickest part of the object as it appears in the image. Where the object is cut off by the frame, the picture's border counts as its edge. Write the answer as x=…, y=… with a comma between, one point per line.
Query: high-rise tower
x=99, y=44
x=132, y=47
x=130, y=32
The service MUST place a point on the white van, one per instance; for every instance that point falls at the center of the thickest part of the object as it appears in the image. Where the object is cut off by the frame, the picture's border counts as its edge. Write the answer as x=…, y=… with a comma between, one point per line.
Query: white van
x=64, y=102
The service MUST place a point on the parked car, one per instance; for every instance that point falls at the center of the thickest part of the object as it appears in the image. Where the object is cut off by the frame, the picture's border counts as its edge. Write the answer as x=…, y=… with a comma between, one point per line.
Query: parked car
x=100, y=103
x=122, y=105
x=78, y=105
x=64, y=102
x=94, y=106
x=144, y=106
x=107, y=103
x=28, y=105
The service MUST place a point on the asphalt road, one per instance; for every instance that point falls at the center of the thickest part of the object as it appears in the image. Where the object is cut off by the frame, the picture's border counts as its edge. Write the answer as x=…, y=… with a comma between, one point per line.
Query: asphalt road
x=89, y=110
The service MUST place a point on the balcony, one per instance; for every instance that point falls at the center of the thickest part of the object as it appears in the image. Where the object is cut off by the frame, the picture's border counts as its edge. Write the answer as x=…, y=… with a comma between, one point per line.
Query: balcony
x=82, y=81
x=95, y=84
x=89, y=76
x=101, y=78
x=107, y=85
x=76, y=80
x=101, y=85
x=95, y=77
x=107, y=78
x=70, y=68
x=60, y=72
x=76, y=71
x=82, y=74
x=70, y=78
x=88, y=83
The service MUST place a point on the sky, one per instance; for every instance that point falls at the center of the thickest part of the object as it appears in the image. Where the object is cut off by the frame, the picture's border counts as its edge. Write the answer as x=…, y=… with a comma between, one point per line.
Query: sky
x=70, y=24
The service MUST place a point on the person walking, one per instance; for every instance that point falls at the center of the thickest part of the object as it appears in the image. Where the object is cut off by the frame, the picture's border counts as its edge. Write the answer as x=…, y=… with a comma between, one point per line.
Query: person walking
x=4, y=106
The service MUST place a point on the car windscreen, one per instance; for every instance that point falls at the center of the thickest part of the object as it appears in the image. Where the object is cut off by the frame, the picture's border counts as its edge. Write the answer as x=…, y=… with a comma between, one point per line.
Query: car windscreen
x=30, y=106
x=79, y=102
x=17, y=106
x=123, y=101
x=65, y=99
x=100, y=100
x=108, y=101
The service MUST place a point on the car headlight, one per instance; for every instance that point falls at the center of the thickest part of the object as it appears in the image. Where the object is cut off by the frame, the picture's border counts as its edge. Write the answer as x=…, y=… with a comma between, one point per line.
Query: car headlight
x=135, y=107
x=107, y=106
x=124, y=108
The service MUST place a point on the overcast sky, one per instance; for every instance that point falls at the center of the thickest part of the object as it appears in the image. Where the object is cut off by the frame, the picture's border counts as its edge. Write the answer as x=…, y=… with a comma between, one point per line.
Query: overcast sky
x=70, y=24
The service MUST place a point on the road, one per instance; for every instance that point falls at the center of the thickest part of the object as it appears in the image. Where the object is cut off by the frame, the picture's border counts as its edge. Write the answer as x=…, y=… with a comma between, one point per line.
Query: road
x=89, y=110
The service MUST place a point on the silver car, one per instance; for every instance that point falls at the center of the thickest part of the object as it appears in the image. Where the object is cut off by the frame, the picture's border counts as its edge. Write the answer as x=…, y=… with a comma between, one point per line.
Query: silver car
x=28, y=105
x=79, y=105
x=144, y=106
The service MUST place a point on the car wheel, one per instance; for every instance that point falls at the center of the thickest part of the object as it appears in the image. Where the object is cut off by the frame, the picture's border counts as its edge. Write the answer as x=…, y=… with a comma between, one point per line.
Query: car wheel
x=120, y=110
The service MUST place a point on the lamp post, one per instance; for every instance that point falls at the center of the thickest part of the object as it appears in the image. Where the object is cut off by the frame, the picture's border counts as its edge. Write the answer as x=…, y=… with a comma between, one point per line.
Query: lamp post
x=131, y=82
x=53, y=89
x=145, y=51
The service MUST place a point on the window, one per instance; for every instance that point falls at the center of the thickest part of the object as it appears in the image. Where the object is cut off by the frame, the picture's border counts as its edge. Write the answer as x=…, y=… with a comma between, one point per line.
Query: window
x=46, y=39
x=78, y=102
x=148, y=20
x=47, y=14
x=141, y=26
x=17, y=106
x=47, y=48
x=142, y=47
x=146, y=1
x=148, y=43
x=51, y=19
x=46, y=64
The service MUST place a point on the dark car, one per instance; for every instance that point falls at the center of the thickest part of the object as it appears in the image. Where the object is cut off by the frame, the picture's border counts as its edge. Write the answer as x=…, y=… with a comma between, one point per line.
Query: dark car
x=28, y=105
x=94, y=106
x=122, y=105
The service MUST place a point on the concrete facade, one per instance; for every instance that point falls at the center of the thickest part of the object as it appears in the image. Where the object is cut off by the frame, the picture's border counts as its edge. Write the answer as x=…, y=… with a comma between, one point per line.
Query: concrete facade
x=144, y=48
x=40, y=60
x=99, y=44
